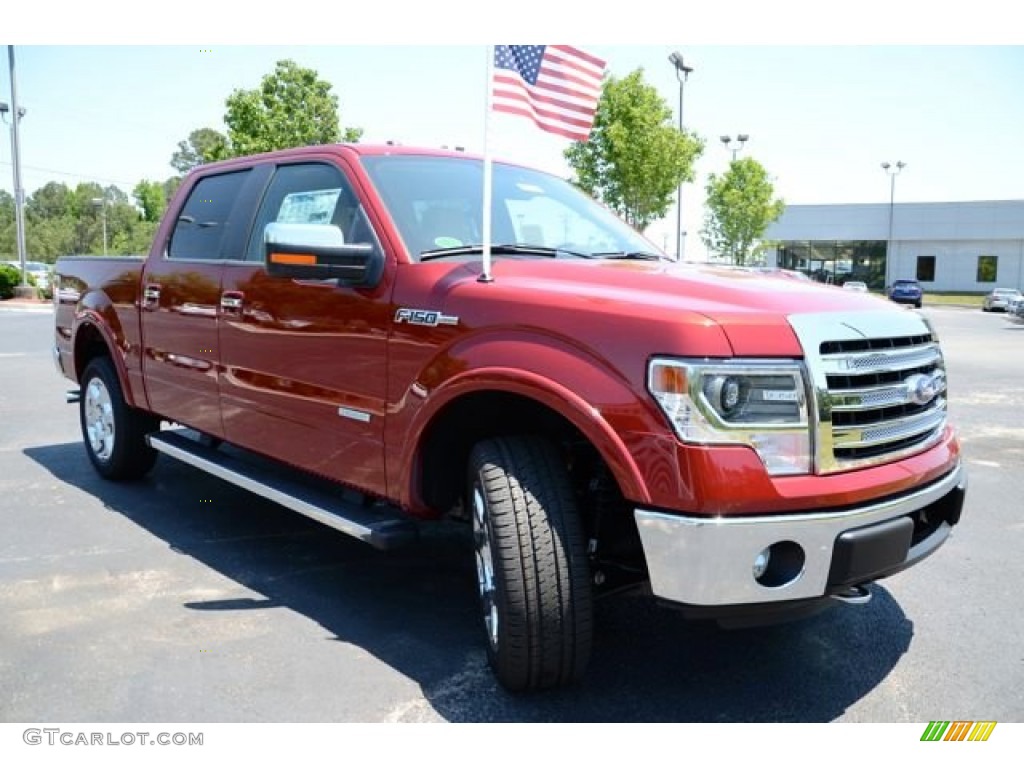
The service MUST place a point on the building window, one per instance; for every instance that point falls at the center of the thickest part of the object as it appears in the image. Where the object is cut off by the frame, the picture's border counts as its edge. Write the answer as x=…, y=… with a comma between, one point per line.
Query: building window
x=988, y=269
x=926, y=269
x=836, y=261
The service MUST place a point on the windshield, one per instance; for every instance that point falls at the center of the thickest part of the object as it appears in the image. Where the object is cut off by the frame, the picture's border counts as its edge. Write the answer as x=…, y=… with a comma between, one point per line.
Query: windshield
x=436, y=203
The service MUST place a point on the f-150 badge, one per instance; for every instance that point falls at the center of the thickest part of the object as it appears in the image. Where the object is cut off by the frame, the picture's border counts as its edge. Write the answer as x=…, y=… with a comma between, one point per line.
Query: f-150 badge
x=428, y=317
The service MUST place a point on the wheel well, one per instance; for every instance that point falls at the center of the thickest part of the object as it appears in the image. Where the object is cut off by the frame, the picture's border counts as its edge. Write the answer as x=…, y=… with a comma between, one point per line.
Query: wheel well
x=444, y=451
x=607, y=517
x=89, y=343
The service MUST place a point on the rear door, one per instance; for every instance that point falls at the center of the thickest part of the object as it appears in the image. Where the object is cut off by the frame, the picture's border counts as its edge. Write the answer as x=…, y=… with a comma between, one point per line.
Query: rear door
x=181, y=295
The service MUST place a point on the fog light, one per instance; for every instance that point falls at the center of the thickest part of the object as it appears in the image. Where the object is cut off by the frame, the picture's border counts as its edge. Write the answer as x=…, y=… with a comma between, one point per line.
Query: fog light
x=761, y=563
x=779, y=565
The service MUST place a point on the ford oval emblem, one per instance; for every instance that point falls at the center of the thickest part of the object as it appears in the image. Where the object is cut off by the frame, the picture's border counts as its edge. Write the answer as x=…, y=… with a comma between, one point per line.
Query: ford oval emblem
x=921, y=388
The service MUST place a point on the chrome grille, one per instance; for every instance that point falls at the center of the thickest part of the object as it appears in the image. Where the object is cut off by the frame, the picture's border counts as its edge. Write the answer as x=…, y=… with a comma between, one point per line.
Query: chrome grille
x=879, y=383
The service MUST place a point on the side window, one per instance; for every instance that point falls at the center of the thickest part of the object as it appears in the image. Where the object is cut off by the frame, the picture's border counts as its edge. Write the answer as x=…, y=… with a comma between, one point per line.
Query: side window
x=310, y=193
x=203, y=222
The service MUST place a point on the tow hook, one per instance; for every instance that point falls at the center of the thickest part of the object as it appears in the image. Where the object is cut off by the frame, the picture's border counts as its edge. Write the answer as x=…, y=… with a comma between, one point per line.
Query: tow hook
x=856, y=595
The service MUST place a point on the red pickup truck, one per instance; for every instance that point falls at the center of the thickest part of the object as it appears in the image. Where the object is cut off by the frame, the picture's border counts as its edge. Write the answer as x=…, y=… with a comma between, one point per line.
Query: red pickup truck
x=315, y=325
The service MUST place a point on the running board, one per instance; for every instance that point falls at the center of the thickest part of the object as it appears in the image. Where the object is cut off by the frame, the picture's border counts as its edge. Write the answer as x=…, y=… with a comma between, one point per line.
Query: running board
x=381, y=527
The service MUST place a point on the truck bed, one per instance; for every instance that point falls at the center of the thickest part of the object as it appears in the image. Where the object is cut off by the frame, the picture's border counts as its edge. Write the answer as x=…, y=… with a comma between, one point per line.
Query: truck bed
x=107, y=286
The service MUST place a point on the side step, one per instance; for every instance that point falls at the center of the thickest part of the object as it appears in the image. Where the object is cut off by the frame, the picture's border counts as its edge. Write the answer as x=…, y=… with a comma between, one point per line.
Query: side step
x=381, y=527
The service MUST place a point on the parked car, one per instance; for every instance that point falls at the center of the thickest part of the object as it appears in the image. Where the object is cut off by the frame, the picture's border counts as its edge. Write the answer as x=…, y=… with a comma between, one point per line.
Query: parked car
x=1015, y=309
x=999, y=299
x=906, y=292
x=855, y=285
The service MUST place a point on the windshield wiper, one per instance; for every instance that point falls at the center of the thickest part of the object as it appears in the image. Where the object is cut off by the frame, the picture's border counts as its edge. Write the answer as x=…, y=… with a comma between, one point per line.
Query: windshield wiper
x=637, y=255
x=499, y=249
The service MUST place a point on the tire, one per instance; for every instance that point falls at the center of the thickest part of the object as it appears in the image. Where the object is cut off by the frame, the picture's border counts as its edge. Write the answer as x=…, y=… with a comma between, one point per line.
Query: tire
x=113, y=432
x=532, y=571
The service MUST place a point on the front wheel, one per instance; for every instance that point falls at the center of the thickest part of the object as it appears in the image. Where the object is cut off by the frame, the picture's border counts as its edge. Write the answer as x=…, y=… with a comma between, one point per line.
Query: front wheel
x=114, y=432
x=532, y=572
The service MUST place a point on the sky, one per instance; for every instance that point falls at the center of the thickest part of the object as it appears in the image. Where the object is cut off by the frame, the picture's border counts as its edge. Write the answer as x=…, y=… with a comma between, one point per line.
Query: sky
x=823, y=108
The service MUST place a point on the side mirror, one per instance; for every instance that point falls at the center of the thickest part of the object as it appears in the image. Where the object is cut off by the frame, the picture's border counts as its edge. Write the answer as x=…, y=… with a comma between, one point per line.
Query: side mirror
x=319, y=252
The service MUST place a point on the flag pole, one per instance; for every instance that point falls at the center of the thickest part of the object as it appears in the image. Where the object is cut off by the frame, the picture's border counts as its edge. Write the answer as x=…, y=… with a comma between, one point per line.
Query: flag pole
x=485, y=274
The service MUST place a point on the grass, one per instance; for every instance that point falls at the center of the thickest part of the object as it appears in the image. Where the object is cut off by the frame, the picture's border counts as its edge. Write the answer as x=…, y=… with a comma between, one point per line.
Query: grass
x=957, y=299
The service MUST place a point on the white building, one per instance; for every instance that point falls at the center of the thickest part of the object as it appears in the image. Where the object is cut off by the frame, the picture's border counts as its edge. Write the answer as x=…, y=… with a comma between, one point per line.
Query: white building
x=958, y=247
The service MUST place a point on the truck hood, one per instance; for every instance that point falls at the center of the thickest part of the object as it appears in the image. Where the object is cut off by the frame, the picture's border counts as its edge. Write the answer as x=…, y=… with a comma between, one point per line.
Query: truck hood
x=751, y=308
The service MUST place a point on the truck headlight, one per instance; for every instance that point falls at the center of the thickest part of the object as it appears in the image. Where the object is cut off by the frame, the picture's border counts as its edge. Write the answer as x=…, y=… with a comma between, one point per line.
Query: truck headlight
x=759, y=403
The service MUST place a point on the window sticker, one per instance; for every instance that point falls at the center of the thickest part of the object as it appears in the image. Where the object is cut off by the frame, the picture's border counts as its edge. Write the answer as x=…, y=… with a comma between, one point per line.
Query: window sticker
x=316, y=207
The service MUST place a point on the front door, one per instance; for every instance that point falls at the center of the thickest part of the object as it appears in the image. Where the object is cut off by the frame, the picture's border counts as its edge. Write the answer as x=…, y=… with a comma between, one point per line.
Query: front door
x=303, y=361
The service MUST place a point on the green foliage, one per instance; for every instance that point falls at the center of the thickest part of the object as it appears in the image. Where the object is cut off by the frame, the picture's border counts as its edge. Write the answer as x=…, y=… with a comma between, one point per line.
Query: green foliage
x=170, y=187
x=62, y=221
x=740, y=206
x=46, y=239
x=9, y=278
x=635, y=158
x=50, y=201
x=133, y=240
x=7, y=227
x=204, y=145
x=292, y=107
x=149, y=196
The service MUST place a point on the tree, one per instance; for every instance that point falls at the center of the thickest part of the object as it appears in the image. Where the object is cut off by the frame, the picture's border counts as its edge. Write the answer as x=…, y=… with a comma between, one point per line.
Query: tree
x=7, y=226
x=293, y=107
x=49, y=221
x=171, y=186
x=635, y=159
x=203, y=145
x=149, y=195
x=739, y=209
x=51, y=200
x=135, y=239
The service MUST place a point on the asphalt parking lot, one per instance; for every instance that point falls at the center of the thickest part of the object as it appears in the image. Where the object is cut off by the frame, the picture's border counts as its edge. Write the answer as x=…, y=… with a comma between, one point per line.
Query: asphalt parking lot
x=183, y=599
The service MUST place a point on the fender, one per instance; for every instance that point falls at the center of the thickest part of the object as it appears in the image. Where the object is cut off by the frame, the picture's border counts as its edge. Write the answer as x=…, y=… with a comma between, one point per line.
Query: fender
x=95, y=311
x=589, y=393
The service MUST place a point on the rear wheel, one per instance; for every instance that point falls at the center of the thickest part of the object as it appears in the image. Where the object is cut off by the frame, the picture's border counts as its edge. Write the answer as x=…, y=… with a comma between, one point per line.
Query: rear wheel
x=532, y=573
x=114, y=433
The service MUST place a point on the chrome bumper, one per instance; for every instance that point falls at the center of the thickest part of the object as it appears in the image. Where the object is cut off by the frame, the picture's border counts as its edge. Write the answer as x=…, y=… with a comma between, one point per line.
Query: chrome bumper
x=709, y=561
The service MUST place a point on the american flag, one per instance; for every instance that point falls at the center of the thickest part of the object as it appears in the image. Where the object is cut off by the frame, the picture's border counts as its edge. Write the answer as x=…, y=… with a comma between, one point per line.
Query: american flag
x=556, y=86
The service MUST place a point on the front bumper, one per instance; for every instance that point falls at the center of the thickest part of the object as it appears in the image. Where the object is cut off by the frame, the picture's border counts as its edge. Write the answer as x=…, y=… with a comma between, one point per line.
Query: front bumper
x=710, y=561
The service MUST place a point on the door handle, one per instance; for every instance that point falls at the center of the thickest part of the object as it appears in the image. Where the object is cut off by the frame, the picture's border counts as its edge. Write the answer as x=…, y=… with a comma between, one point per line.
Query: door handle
x=151, y=296
x=231, y=301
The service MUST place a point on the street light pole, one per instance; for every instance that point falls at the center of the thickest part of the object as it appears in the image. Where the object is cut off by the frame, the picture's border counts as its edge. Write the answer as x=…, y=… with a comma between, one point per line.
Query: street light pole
x=23, y=290
x=727, y=140
x=893, y=171
x=682, y=73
